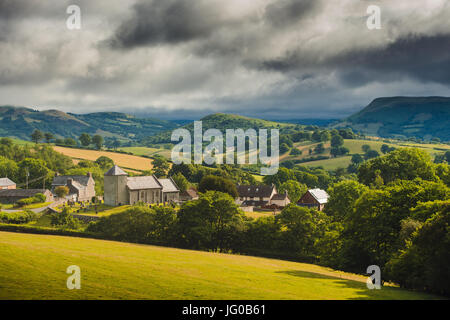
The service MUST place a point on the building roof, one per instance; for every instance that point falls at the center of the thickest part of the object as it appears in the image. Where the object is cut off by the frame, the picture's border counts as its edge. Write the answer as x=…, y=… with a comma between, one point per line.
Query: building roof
x=189, y=193
x=116, y=171
x=142, y=183
x=280, y=196
x=248, y=191
x=168, y=185
x=5, y=182
x=62, y=180
x=320, y=195
x=25, y=193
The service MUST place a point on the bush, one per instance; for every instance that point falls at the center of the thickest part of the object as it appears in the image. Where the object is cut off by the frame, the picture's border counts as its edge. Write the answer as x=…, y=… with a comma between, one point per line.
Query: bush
x=19, y=217
x=26, y=201
x=40, y=198
x=65, y=220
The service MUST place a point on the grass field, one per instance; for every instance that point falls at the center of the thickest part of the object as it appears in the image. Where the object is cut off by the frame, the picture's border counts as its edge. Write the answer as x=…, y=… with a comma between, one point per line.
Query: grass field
x=34, y=267
x=123, y=160
x=144, y=151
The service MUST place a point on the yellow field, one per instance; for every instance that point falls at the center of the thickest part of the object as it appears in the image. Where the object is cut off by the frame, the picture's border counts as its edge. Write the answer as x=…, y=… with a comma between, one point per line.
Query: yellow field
x=122, y=160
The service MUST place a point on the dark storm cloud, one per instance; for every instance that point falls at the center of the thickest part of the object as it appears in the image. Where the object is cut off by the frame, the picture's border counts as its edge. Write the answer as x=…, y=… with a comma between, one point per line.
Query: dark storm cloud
x=168, y=21
x=423, y=58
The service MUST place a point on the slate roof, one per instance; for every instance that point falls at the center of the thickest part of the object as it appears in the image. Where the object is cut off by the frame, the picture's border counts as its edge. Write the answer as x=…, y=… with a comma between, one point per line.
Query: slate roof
x=24, y=193
x=168, y=185
x=320, y=195
x=189, y=193
x=280, y=196
x=142, y=183
x=62, y=180
x=249, y=191
x=116, y=171
x=5, y=182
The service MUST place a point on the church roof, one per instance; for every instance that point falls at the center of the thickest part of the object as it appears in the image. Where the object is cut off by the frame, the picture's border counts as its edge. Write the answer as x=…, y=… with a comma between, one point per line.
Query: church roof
x=116, y=171
x=142, y=183
x=168, y=185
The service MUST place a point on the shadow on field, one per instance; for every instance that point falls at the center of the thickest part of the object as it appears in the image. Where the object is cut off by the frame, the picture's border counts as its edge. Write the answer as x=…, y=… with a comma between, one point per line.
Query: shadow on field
x=359, y=287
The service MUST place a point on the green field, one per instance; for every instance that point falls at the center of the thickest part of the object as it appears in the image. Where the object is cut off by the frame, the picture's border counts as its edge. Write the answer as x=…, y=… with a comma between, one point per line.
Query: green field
x=34, y=267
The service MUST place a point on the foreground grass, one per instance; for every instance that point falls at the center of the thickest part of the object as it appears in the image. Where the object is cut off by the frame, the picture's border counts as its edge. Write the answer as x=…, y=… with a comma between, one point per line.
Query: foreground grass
x=34, y=267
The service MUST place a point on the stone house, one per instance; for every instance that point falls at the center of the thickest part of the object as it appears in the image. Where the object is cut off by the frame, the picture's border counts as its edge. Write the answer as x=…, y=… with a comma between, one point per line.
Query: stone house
x=255, y=196
x=81, y=188
x=6, y=183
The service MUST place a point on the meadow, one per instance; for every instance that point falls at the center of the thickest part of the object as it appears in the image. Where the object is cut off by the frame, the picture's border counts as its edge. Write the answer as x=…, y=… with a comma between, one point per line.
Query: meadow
x=34, y=267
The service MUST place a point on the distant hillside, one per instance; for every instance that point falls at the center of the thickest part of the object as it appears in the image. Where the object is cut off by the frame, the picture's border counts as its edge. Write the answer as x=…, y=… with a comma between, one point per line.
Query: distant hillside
x=20, y=122
x=421, y=117
x=222, y=122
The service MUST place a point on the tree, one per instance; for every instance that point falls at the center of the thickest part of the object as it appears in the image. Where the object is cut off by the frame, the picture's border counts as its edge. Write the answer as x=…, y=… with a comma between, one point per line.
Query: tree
x=296, y=152
x=98, y=141
x=319, y=148
x=211, y=222
x=48, y=137
x=357, y=159
x=294, y=189
x=424, y=263
x=85, y=139
x=8, y=168
x=385, y=148
x=303, y=228
x=216, y=183
x=37, y=136
x=104, y=162
x=36, y=170
x=70, y=142
x=284, y=148
x=160, y=166
x=181, y=182
x=337, y=141
x=343, y=196
x=371, y=154
x=61, y=191
x=404, y=164
x=365, y=148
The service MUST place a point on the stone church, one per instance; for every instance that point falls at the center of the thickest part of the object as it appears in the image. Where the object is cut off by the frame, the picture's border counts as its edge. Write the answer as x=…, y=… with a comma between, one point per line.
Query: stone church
x=123, y=190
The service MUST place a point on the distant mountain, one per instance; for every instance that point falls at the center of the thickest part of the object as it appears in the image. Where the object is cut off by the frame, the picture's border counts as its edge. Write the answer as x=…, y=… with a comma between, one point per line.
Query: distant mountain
x=20, y=122
x=222, y=122
x=420, y=117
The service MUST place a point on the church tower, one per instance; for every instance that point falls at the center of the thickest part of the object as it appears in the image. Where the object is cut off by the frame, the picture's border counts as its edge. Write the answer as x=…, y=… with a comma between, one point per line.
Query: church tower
x=116, y=192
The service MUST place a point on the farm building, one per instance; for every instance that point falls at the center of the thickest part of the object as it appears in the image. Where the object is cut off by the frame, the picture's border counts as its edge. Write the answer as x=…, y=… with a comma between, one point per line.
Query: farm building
x=6, y=183
x=315, y=198
x=81, y=188
x=14, y=195
x=123, y=190
x=188, y=195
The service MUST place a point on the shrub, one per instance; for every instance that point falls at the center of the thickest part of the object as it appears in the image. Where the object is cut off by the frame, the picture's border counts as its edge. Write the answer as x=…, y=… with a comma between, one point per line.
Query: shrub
x=19, y=217
x=40, y=198
x=26, y=201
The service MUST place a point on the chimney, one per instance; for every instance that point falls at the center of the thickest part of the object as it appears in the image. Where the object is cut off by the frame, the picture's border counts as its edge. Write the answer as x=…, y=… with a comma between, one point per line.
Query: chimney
x=89, y=174
x=69, y=182
x=56, y=174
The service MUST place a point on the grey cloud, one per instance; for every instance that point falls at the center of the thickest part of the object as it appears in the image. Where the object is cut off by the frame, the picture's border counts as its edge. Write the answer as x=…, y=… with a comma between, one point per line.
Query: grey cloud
x=168, y=21
x=285, y=12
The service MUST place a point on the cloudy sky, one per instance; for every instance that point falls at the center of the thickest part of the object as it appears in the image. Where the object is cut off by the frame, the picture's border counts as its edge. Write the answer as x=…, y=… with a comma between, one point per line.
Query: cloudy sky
x=182, y=59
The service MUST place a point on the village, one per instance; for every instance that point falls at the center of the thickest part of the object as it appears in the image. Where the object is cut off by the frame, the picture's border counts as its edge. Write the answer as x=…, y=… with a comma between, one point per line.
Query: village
x=120, y=190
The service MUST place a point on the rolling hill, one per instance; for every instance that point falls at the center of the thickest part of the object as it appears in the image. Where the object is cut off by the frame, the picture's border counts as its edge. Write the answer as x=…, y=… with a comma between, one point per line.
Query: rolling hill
x=397, y=117
x=222, y=122
x=20, y=122
x=34, y=267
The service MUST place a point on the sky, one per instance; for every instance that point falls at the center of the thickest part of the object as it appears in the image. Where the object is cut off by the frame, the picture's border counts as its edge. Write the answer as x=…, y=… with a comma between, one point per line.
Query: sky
x=183, y=59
